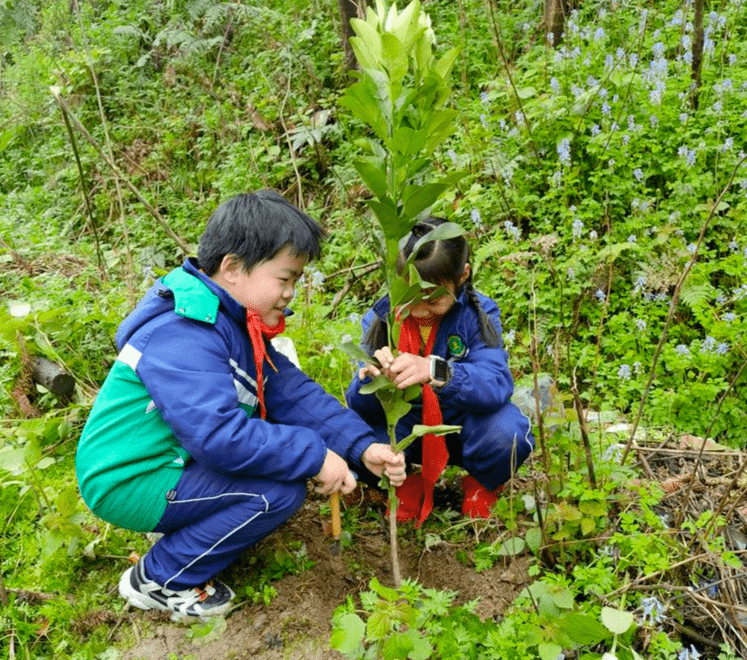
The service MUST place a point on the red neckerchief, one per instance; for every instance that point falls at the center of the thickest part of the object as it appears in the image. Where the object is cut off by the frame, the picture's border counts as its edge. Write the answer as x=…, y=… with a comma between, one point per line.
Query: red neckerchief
x=258, y=332
x=435, y=454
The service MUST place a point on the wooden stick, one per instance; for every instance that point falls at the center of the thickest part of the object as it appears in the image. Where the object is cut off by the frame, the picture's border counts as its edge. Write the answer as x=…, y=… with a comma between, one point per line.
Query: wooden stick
x=334, y=503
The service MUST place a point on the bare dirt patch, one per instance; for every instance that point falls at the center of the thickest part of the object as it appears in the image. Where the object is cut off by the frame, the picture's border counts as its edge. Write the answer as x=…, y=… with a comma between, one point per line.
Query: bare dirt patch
x=298, y=621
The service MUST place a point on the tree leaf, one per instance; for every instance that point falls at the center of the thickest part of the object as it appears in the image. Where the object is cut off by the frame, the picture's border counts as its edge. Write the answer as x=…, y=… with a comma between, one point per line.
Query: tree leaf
x=616, y=621
x=443, y=66
x=443, y=232
x=582, y=628
x=393, y=57
x=367, y=45
x=562, y=597
x=549, y=650
x=347, y=635
x=354, y=351
x=374, y=178
x=512, y=547
x=378, y=383
x=397, y=646
x=422, y=197
x=533, y=538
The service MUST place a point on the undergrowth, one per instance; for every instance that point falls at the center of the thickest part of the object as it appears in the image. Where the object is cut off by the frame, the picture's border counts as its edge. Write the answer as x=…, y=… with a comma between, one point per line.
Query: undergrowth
x=604, y=192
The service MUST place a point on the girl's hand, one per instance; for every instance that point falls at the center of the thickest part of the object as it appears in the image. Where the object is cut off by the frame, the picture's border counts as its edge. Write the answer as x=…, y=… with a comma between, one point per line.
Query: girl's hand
x=384, y=357
x=380, y=459
x=408, y=369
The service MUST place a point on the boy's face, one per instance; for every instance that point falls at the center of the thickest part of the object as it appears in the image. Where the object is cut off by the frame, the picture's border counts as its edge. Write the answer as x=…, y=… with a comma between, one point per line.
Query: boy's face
x=268, y=288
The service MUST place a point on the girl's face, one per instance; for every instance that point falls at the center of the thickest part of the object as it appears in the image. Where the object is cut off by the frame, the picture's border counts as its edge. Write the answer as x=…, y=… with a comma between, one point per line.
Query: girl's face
x=434, y=308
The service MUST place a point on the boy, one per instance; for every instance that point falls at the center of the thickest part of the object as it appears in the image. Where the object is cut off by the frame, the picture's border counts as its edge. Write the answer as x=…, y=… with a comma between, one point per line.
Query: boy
x=202, y=431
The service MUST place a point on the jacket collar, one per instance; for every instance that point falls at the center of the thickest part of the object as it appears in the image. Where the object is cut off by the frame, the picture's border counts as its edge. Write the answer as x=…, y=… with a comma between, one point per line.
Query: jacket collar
x=198, y=297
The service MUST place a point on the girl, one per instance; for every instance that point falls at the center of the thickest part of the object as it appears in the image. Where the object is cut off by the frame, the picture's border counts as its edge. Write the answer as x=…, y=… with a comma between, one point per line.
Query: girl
x=450, y=344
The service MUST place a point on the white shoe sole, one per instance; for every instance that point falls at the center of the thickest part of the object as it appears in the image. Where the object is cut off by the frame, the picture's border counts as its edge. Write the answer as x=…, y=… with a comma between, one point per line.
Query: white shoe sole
x=143, y=602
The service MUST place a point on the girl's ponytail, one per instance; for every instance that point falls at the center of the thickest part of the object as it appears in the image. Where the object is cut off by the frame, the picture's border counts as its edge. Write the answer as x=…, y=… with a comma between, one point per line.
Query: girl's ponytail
x=376, y=335
x=488, y=331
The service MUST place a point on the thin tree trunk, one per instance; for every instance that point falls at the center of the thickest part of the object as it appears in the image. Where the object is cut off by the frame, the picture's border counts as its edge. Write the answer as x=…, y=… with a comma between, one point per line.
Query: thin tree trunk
x=698, y=41
x=348, y=10
x=555, y=20
x=556, y=11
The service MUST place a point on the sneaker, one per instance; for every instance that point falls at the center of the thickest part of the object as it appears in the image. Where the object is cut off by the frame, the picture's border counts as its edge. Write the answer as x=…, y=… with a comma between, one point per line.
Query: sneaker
x=478, y=501
x=211, y=599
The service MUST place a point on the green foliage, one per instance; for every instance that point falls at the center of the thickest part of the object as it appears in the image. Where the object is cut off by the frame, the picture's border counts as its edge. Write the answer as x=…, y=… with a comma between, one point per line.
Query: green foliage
x=592, y=176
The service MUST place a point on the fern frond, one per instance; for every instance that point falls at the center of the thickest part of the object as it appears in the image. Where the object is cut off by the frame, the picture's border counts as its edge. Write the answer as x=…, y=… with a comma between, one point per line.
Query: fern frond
x=130, y=31
x=695, y=296
x=197, y=8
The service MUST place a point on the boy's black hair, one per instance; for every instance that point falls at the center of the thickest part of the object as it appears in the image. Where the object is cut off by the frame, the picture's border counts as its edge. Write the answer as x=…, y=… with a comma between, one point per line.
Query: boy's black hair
x=255, y=227
x=439, y=262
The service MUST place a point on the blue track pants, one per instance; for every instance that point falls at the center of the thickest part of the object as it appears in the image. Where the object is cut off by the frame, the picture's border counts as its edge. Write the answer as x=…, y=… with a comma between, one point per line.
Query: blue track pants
x=490, y=447
x=211, y=519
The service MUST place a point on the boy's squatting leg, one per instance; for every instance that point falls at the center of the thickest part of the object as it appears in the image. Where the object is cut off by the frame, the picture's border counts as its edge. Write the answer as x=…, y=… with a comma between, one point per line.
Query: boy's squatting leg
x=211, y=519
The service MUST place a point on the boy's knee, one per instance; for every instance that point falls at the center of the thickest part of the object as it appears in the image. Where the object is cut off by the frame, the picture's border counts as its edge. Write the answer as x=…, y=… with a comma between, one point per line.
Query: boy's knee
x=286, y=497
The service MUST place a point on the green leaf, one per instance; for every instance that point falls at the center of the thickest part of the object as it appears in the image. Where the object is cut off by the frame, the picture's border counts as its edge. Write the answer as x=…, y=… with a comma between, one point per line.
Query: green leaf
x=408, y=142
x=593, y=508
x=67, y=501
x=347, y=635
x=588, y=525
x=374, y=178
x=378, y=383
x=613, y=251
x=360, y=99
x=422, y=197
x=354, y=351
x=401, y=292
x=533, y=538
x=367, y=45
x=386, y=593
x=422, y=649
x=419, y=430
x=394, y=57
x=582, y=628
x=397, y=647
x=563, y=598
x=389, y=220
x=440, y=126
x=549, y=651
x=443, y=66
x=526, y=92
x=379, y=625
x=616, y=621
x=443, y=232
x=512, y=547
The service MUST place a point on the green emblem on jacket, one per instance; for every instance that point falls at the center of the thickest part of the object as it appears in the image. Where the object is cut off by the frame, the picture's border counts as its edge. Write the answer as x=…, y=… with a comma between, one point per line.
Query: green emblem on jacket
x=456, y=346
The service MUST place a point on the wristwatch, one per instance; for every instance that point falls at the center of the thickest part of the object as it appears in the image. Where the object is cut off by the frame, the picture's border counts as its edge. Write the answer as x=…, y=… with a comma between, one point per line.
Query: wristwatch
x=440, y=371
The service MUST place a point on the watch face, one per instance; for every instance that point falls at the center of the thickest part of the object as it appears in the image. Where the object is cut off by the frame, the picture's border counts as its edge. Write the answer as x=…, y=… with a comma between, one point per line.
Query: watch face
x=440, y=370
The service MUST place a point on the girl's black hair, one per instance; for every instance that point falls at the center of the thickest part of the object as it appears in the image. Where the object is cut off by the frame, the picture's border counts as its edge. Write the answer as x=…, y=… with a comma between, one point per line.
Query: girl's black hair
x=439, y=262
x=254, y=228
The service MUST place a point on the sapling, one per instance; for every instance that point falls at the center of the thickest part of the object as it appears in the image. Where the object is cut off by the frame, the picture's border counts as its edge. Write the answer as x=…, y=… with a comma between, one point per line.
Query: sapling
x=400, y=95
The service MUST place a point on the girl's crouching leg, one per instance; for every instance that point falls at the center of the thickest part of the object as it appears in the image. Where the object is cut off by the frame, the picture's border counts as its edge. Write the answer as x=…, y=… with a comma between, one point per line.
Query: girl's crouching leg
x=495, y=446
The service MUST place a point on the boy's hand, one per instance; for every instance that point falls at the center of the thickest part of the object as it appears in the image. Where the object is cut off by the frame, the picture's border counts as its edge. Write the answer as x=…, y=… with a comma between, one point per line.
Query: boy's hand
x=380, y=459
x=335, y=476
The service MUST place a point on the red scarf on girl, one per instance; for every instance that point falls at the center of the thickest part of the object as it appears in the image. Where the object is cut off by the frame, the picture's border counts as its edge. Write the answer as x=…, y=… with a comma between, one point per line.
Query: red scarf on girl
x=435, y=454
x=258, y=332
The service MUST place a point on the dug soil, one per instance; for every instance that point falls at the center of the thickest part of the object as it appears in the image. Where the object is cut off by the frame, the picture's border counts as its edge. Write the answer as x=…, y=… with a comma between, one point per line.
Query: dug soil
x=297, y=622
